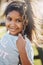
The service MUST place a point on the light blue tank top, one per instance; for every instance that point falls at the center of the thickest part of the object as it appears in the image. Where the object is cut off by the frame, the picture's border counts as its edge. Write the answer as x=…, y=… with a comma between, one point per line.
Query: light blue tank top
x=9, y=52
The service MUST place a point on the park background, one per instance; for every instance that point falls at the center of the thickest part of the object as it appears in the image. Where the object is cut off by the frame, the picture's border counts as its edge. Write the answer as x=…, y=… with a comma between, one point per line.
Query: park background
x=37, y=8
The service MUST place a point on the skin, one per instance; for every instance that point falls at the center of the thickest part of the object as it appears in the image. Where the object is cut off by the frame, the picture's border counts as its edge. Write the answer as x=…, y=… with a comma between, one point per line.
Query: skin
x=14, y=24
x=21, y=43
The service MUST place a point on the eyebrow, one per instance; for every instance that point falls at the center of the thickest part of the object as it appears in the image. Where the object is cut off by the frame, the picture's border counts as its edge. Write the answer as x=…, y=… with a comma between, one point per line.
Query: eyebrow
x=20, y=18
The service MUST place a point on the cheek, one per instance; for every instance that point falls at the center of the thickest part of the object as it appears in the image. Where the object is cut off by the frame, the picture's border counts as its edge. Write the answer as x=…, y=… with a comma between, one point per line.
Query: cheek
x=7, y=24
x=20, y=26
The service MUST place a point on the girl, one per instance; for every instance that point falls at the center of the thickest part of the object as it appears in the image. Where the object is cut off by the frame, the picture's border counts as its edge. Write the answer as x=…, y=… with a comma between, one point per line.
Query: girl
x=16, y=41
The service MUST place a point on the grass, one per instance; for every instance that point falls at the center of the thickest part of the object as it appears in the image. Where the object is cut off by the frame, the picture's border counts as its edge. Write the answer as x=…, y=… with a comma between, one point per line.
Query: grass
x=36, y=61
x=36, y=53
x=2, y=31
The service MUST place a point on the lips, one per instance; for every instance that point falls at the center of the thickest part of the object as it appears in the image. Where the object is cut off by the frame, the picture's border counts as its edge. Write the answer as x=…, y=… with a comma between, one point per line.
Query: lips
x=12, y=29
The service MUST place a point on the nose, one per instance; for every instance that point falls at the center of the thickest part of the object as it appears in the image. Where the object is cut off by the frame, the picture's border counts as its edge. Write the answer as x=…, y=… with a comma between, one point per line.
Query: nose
x=13, y=23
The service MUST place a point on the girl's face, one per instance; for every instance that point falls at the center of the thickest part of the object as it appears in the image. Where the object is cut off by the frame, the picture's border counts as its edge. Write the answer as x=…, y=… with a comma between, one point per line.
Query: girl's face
x=14, y=22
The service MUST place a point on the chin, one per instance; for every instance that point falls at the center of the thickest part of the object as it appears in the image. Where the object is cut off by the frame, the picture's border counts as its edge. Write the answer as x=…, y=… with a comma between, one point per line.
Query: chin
x=14, y=34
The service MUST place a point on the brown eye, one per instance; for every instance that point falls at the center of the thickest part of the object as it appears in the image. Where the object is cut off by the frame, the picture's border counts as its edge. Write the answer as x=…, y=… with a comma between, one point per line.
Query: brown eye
x=9, y=18
x=18, y=20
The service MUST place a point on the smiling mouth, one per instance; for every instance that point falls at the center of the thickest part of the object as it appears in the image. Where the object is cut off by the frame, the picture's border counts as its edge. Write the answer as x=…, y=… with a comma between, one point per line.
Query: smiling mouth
x=12, y=29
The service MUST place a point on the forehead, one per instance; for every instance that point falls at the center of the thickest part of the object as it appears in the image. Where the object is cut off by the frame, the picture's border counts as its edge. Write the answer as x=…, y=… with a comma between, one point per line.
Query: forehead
x=14, y=14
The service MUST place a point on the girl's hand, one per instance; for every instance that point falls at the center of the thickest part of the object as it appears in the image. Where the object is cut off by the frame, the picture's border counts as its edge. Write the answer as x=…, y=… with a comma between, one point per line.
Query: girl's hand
x=21, y=43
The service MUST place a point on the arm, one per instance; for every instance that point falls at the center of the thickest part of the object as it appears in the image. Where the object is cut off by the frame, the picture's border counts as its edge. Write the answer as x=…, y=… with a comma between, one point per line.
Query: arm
x=24, y=58
x=21, y=43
